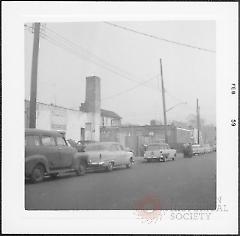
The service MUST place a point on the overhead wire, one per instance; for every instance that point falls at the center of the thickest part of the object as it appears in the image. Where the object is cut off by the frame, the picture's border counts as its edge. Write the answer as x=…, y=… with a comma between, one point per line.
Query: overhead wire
x=159, y=38
x=86, y=57
x=84, y=50
x=72, y=50
x=130, y=89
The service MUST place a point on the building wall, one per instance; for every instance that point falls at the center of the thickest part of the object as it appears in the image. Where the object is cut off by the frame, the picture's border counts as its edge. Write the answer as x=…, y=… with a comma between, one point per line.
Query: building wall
x=50, y=117
x=109, y=121
x=135, y=137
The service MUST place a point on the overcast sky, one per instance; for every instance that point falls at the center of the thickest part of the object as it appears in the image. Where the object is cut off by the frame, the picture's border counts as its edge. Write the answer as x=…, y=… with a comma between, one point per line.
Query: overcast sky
x=123, y=59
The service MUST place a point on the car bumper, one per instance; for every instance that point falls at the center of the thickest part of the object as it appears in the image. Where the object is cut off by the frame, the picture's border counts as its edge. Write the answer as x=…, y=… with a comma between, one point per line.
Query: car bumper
x=153, y=157
x=97, y=164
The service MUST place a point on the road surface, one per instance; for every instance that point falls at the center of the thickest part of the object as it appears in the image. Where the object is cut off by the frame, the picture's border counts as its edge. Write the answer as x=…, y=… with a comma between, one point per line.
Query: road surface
x=186, y=183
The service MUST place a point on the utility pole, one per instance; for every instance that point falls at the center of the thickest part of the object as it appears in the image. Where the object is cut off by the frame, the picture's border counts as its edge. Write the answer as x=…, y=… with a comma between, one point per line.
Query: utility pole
x=33, y=93
x=164, y=104
x=198, y=123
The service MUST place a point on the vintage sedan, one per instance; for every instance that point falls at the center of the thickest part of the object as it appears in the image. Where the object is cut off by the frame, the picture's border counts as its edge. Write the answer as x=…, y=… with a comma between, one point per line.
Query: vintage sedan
x=160, y=152
x=108, y=155
x=47, y=153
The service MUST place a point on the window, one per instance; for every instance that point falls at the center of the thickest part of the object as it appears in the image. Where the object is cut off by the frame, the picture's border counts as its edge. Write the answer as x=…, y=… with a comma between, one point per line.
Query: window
x=48, y=141
x=32, y=140
x=61, y=141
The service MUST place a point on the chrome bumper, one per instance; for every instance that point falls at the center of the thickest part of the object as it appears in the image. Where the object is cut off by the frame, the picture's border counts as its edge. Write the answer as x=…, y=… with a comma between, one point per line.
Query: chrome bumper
x=97, y=164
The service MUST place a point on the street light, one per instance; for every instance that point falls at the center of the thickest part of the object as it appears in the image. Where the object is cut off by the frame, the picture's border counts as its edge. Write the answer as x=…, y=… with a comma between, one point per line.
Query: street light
x=175, y=106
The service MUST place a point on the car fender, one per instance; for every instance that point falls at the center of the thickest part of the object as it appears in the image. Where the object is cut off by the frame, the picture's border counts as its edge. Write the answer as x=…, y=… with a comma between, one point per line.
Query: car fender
x=32, y=161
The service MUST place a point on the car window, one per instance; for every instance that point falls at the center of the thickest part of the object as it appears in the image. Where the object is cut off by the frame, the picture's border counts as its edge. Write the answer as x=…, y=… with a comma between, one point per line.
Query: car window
x=153, y=147
x=61, y=141
x=32, y=140
x=48, y=141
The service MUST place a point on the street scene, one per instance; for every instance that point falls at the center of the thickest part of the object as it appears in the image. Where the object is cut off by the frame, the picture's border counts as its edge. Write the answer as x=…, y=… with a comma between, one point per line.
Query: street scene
x=120, y=115
x=182, y=184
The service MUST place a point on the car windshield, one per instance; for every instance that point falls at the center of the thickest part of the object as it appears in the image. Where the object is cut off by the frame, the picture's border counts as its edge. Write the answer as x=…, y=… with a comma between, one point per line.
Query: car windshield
x=156, y=147
x=95, y=147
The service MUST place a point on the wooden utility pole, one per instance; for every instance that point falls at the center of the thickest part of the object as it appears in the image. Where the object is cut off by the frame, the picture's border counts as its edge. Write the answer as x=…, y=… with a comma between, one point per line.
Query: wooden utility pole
x=33, y=93
x=198, y=123
x=164, y=104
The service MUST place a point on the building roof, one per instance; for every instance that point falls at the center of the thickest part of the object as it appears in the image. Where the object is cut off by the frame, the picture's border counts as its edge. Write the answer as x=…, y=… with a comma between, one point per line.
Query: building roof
x=111, y=114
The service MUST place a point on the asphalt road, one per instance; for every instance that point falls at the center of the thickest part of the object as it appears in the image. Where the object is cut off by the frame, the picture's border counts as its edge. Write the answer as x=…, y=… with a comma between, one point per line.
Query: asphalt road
x=186, y=183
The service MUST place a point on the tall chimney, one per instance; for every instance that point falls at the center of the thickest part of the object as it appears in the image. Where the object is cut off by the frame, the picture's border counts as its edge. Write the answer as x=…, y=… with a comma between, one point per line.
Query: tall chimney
x=93, y=96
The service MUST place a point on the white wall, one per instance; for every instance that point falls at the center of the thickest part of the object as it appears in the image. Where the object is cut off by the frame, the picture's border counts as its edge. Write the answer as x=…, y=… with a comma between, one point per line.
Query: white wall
x=72, y=120
x=43, y=117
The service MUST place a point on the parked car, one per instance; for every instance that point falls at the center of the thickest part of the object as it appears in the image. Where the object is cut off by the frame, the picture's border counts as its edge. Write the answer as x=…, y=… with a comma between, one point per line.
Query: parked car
x=196, y=149
x=159, y=151
x=47, y=153
x=108, y=155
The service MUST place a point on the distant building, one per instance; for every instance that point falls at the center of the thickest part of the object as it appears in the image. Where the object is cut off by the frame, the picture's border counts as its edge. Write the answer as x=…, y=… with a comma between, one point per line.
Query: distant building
x=110, y=118
x=135, y=136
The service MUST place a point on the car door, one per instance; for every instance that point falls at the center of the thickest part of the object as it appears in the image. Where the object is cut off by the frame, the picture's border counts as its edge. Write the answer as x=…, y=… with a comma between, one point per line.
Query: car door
x=50, y=151
x=66, y=153
x=123, y=155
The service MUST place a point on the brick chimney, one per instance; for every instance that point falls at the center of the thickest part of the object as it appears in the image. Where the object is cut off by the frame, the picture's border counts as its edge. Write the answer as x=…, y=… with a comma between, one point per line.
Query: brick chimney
x=93, y=95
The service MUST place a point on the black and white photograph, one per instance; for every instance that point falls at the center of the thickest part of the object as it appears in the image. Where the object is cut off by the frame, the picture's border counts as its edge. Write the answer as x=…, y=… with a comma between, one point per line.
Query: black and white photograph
x=123, y=116
x=103, y=97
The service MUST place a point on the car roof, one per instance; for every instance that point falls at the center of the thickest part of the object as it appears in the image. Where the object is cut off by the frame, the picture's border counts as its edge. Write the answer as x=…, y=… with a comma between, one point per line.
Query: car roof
x=42, y=132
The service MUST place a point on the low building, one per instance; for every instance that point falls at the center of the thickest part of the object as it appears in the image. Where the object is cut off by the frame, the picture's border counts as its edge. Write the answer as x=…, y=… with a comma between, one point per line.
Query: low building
x=78, y=124
x=136, y=136
x=110, y=119
x=74, y=123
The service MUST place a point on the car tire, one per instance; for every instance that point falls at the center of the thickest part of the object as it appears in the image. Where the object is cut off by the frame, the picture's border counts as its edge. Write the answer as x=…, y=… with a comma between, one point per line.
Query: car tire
x=109, y=167
x=81, y=169
x=38, y=173
x=173, y=158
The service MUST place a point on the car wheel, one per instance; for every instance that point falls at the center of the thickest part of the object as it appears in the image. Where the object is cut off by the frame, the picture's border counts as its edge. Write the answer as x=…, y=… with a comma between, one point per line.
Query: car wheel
x=173, y=158
x=81, y=169
x=109, y=166
x=38, y=173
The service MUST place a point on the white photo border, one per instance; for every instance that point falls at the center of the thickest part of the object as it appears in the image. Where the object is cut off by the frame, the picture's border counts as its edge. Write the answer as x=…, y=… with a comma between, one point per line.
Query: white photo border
x=15, y=219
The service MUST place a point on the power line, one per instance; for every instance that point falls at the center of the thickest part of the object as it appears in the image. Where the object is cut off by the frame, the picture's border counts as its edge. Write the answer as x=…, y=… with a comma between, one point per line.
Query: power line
x=72, y=50
x=159, y=38
x=87, y=51
x=73, y=47
x=130, y=89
